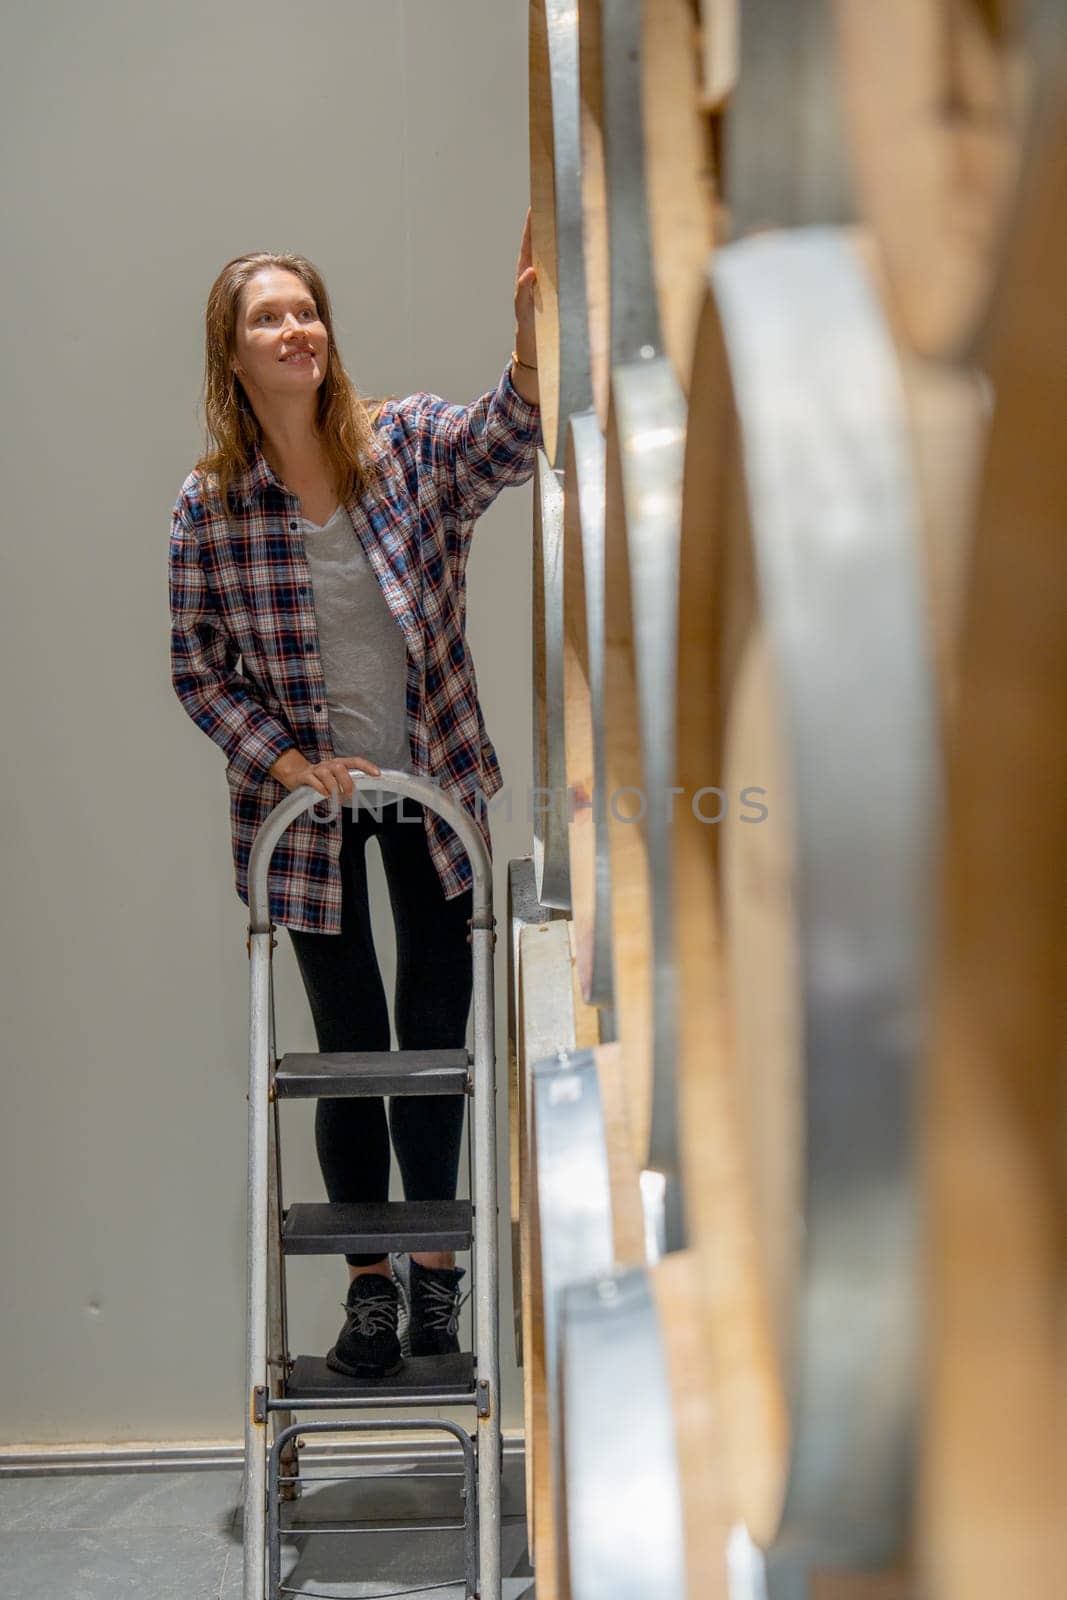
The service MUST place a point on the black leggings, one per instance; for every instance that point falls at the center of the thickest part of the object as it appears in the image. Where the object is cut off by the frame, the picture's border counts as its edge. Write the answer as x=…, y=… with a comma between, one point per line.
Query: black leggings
x=349, y=1009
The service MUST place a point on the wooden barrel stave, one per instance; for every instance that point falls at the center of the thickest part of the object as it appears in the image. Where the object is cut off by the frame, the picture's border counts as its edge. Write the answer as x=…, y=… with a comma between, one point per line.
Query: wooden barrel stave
x=935, y=95
x=681, y=165
x=718, y=44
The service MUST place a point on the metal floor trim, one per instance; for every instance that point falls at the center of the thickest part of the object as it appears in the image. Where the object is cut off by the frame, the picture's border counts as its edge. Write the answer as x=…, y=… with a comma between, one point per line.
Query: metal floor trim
x=37, y=1461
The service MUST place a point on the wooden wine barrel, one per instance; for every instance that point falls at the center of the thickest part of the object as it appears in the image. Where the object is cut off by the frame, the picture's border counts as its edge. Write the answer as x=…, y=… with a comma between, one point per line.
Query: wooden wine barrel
x=935, y=94
x=583, y=693
x=552, y=1017
x=808, y=758
x=586, y=1217
x=649, y=182
x=681, y=165
x=646, y=1508
x=911, y=117
x=556, y=221
x=548, y=802
x=994, y=1418
x=523, y=910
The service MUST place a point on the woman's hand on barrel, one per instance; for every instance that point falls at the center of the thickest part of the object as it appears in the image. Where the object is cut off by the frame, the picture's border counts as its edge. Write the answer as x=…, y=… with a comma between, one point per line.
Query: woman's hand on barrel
x=525, y=286
x=327, y=777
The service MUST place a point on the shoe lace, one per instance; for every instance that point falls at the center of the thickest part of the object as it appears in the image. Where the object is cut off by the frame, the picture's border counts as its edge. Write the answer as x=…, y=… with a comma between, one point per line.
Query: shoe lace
x=443, y=1307
x=370, y=1316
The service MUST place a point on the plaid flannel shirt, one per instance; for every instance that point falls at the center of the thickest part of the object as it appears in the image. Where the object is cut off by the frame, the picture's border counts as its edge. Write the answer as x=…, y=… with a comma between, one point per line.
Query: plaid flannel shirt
x=241, y=587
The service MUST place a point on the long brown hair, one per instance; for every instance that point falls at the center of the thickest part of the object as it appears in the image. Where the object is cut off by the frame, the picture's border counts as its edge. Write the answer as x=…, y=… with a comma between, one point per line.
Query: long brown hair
x=344, y=421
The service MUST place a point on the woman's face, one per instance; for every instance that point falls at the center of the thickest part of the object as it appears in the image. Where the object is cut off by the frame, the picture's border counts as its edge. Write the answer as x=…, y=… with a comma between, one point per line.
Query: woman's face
x=282, y=346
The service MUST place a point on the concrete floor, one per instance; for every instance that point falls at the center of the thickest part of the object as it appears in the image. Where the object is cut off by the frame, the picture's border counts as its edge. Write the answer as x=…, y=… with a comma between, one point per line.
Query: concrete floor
x=177, y=1536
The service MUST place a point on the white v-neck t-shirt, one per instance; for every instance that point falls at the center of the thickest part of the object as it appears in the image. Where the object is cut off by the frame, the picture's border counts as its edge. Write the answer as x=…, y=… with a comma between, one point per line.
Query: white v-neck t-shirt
x=364, y=656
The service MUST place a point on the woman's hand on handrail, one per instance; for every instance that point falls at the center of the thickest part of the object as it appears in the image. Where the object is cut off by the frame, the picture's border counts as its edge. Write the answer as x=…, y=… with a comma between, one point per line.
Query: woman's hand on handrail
x=327, y=777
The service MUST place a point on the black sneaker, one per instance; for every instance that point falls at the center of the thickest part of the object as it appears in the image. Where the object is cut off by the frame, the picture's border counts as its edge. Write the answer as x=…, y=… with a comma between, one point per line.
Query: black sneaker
x=430, y=1306
x=367, y=1346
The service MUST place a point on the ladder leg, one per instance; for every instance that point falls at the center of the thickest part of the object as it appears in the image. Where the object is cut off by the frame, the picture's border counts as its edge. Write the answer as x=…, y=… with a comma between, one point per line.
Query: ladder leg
x=277, y=1320
x=257, y=1383
x=486, y=1310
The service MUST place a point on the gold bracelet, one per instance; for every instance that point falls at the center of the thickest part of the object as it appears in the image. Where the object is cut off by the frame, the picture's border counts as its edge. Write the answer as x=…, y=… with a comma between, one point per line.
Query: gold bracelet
x=520, y=363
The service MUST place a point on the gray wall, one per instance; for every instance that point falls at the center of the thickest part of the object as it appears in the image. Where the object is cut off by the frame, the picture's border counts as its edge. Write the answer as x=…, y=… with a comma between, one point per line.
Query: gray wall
x=146, y=145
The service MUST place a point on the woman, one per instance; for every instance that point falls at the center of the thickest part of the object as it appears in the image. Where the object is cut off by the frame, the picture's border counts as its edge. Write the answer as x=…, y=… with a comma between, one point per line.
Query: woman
x=324, y=541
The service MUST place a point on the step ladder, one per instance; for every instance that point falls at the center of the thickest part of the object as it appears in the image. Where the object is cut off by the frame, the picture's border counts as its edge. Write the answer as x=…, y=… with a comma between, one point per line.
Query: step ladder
x=280, y=1387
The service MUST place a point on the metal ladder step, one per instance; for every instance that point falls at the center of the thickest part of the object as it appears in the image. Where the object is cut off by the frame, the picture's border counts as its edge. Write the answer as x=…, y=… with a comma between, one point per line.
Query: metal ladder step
x=315, y=1229
x=353, y=1073
x=421, y=1380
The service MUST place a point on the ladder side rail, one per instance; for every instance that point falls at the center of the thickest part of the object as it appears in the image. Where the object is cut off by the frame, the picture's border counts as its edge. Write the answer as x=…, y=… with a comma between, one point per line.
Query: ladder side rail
x=278, y=1337
x=278, y=1358
x=423, y=791
x=258, y=1378
x=486, y=1262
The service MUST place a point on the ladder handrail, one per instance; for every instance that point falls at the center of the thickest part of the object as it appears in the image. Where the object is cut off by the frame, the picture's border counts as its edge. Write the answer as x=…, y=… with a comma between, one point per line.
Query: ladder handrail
x=426, y=791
